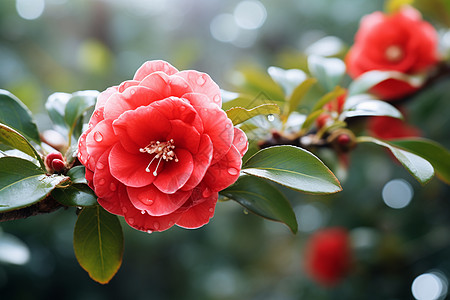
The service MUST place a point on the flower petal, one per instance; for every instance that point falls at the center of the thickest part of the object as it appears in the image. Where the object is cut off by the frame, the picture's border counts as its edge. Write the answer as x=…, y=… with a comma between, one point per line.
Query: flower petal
x=152, y=66
x=225, y=172
x=202, y=161
x=200, y=214
x=126, y=84
x=104, y=96
x=105, y=185
x=129, y=168
x=175, y=174
x=130, y=99
x=166, y=85
x=203, y=84
x=240, y=141
x=100, y=138
x=184, y=136
x=155, y=202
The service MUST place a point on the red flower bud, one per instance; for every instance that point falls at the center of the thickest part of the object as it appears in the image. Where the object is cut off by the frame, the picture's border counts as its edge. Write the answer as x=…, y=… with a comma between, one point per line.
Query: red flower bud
x=55, y=162
x=328, y=256
x=322, y=120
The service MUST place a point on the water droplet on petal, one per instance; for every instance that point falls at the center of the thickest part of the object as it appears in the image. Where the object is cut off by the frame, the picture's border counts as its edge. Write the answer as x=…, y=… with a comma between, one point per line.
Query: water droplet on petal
x=205, y=109
x=98, y=137
x=149, y=231
x=170, y=223
x=156, y=225
x=143, y=212
x=131, y=221
x=97, y=113
x=143, y=198
x=124, y=210
x=233, y=171
x=241, y=139
x=206, y=193
x=201, y=80
x=81, y=138
x=132, y=92
x=101, y=181
x=228, y=126
x=112, y=187
x=216, y=98
x=211, y=210
x=182, y=107
x=100, y=166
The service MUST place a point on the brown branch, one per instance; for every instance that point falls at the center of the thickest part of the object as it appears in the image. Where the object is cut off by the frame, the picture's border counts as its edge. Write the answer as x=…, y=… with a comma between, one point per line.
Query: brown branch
x=45, y=206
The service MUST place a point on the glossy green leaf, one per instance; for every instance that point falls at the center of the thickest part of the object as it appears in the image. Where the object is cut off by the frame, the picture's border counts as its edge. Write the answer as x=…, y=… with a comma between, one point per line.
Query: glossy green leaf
x=77, y=106
x=287, y=79
x=328, y=71
x=75, y=195
x=247, y=102
x=309, y=121
x=293, y=167
x=419, y=167
x=239, y=114
x=15, y=114
x=299, y=94
x=436, y=154
x=328, y=97
x=370, y=108
x=263, y=199
x=369, y=79
x=22, y=183
x=77, y=174
x=12, y=138
x=55, y=106
x=98, y=243
x=258, y=81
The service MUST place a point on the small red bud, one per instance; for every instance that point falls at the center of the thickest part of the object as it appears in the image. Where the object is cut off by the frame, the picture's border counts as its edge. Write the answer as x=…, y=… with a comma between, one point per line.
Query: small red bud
x=55, y=162
x=58, y=165
x=343, y=139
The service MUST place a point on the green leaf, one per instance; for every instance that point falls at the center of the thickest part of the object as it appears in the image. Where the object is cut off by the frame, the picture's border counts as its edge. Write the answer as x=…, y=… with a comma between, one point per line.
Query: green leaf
x=369, y=79
x=239, y=114
x=299, y=94
x=311, y=118
x=22, y=183
x=77, y=106
x=370, y=108
x=436, y=154
x=247, y=102
x=258, y=81
x=55, y=106
x=16, y=115
x=328, y=97
x=293, y=167
x=419, y=167
x=263, y=199
x=77, y=174
x=287, y=79
x=75, y=195
x=98, y=243
x=12, y=138
x=328, y=71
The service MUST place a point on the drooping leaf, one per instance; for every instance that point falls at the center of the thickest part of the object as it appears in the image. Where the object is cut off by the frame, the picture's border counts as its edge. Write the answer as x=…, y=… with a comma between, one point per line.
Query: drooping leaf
x=328, y=71
x=370, y=108
x=75, y=195
x=369, y=79
x=419, y=167
x=299, y=94
x=12, y=138
x=287, y=79
x=263, y=199
x=22, y=183
x=98, y=243
x=436, y=154
x=77, y=174
x=239, y=114
x=15, y=114
x=293, y=167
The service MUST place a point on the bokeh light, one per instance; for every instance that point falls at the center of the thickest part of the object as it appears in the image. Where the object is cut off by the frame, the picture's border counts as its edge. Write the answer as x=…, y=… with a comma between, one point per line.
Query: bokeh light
x=250, y=14
x=430, y=286
x=30, y=9
x=397, y=193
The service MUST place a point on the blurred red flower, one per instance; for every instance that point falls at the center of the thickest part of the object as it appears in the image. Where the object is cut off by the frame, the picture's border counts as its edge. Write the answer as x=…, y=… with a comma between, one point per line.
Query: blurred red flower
x=391, y=128
x=328, y=256
x=400, y=42
x=159, y=148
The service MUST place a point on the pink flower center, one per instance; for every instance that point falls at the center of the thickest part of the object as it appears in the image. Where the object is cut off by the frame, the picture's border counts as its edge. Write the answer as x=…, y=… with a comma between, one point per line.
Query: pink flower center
x=394, y=53
x=162, y=151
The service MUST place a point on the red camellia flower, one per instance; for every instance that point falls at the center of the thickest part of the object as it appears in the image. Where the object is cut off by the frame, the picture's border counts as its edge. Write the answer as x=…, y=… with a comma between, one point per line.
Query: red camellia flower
x=400, y=42
x=391, y=128
x=328, y=255
x=159, y=148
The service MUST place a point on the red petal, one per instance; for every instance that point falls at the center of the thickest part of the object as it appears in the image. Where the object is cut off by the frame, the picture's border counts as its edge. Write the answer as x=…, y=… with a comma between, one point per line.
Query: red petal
x=105, y=185
x=240, y=141
x=175, y=174
x=155, y=202
x=166, y=85
x=130, y=168
x=104, y=96
x=126, y=84
x=202, y=161
x=199, y=215
x=225, y=172
x=203, y=84
x=184, y=136
x=152, y=66
x=137, y=128
x=130, y=99
x=100, y=138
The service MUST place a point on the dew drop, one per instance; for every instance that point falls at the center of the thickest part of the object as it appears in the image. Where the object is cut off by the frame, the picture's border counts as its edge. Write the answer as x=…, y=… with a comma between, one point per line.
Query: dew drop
x=143, y=212
x=101, y=181
x=149, y=231
x=143, y=198
x=112, y=187
x=132, y=92
x=241, y=139
x=156, y=225
x=124, y=210
x=81, y=138
x=98, y=137
x=182, y=107
x=170, y=223
x=245, y=212
x=211, y=210
x=201, y=80
x=100, y=166
x=205, y=109
x=228, y=126
x=97, y=114
x=206, y=193
x=131, y=221
x=270, y=118
x=216, y=98
x=233, y=171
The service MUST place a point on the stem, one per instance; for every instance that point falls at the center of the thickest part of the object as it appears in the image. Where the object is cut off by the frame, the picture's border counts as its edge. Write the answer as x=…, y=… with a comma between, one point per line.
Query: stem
x=45, y=206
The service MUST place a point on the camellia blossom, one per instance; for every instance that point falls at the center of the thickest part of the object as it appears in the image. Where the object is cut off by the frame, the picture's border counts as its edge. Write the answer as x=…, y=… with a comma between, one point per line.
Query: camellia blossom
x=400, y=42
x=159, y=148
x=388, y=128
x=328, y=255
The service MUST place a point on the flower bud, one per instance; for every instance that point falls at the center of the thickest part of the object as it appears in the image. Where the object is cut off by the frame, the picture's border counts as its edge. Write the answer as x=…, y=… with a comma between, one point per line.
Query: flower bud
x=55, y=162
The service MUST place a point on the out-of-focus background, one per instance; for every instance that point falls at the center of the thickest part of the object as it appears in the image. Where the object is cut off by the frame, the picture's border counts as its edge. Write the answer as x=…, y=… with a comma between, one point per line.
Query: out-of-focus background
x=400, y=230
